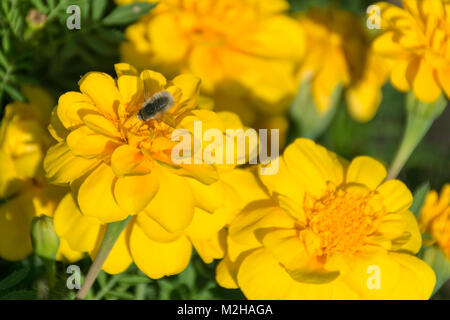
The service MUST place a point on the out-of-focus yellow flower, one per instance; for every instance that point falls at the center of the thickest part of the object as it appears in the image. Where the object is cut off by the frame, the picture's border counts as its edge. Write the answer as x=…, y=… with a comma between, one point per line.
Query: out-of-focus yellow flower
x=416, y=40
x=24, y=192
x=334, y=230
x=435, y=218
x=339, y=54
x=246, y=52
x=156, y=251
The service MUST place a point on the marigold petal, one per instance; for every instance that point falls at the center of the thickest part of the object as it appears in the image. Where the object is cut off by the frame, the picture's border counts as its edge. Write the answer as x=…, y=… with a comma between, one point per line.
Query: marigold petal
x=119, y=259
x=396, y=195
x=444, y=80
x=62, y=167
x=207, y=197
x=88, y=144
x=154, y=230
x=226, y=272
x=72, y=107
x=66, y=254
x=15, y=224
x=81, y=232
x=425, y=85
x=131, y=88
x=127, y=160
x=168, y=42
x=133, y=193
x=399, y=75
x=212, y=248
x=153, y=82
x=172, y=215
x=95, y=196
x=190, y=88
x=125, y=69
x=101, y=125
x=157, y=259
x=312, y=166
x=102, y=90
x=366, y=171
x=413, y=241
x=259, y=214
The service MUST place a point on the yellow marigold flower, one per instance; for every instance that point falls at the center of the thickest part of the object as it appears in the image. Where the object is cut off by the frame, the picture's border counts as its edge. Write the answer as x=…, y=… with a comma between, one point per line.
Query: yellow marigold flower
x=334, y=230
x=24, y=192
x=339, y=54
x=246, y=52
x=155, y=250
x=105, y=152
x=435, y=218
x=415, y=39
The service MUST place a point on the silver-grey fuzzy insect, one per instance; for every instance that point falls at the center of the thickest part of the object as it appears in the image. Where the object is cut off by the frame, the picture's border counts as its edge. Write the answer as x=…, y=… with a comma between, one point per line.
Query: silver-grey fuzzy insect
x=158, y=103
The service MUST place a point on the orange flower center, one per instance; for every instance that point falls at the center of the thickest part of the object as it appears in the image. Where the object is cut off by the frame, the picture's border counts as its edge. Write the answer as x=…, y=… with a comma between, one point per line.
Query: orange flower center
x=344, y=217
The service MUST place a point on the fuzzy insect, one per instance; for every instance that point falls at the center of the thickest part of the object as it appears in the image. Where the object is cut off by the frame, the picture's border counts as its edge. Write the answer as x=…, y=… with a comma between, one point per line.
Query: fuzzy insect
x=157, y=104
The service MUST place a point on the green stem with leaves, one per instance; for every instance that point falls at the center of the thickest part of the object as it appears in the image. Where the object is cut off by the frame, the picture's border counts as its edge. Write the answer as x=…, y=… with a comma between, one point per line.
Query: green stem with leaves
x=113, y=232
x=421, y=116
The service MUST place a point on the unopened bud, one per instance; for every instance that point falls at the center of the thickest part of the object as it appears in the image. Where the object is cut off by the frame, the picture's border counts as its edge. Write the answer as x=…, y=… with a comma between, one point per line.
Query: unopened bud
x=44, y=238
x=36, y=19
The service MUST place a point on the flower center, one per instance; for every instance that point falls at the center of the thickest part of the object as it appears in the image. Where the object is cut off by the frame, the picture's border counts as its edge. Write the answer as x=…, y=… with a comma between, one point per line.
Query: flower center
x=343, y=217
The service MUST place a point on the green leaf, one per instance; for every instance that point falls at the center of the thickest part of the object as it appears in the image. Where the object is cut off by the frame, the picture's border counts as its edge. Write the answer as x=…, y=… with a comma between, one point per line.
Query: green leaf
x=14, y=93
x=111, y=35
x=419, y=198
x=133, y=279
x=13, y=279
x=19, y=295
x=187, y=277
x=120, y=295
x=3, y=60
x=97, y=46
x=126, y=14
x=308, y=120
x=441, y=266
x=6, y=42
x=98, y=9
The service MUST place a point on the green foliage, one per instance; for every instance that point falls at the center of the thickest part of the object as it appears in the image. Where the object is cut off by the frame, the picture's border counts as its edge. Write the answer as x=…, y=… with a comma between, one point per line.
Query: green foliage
x=440, y=264
x=419, y=199
x=9, y=286
x=37, y=47
x=307, y=121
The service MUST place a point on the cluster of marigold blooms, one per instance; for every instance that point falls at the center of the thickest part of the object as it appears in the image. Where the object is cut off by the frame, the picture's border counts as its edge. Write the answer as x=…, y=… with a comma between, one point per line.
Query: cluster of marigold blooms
x=308, y=232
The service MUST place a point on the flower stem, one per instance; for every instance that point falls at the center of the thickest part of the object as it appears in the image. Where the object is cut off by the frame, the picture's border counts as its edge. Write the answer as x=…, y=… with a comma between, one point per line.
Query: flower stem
x=113, y=232
x=421, y=116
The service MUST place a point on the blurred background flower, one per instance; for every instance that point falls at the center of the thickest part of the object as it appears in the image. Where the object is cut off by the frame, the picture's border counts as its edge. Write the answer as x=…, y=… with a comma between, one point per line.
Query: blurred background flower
x=435, y=219
x=24, y=191
x=415, y=39
x=246, y=53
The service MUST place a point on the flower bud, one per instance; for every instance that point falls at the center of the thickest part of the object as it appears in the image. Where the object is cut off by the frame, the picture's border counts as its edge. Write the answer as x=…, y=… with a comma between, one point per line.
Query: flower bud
x=44, y=238
x=36, y=19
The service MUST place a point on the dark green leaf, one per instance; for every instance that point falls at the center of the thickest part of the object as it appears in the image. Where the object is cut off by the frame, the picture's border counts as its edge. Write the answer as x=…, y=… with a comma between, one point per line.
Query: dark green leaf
x=19, y=295
x=419, y=198
x=14, y=93
x=98, y=9
x=126, y=14
x=133, y=279
x=13, y=279
x=441, y=266
x=119, y=295
x=97, y=46
x=111, y=35
x=3, y=60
